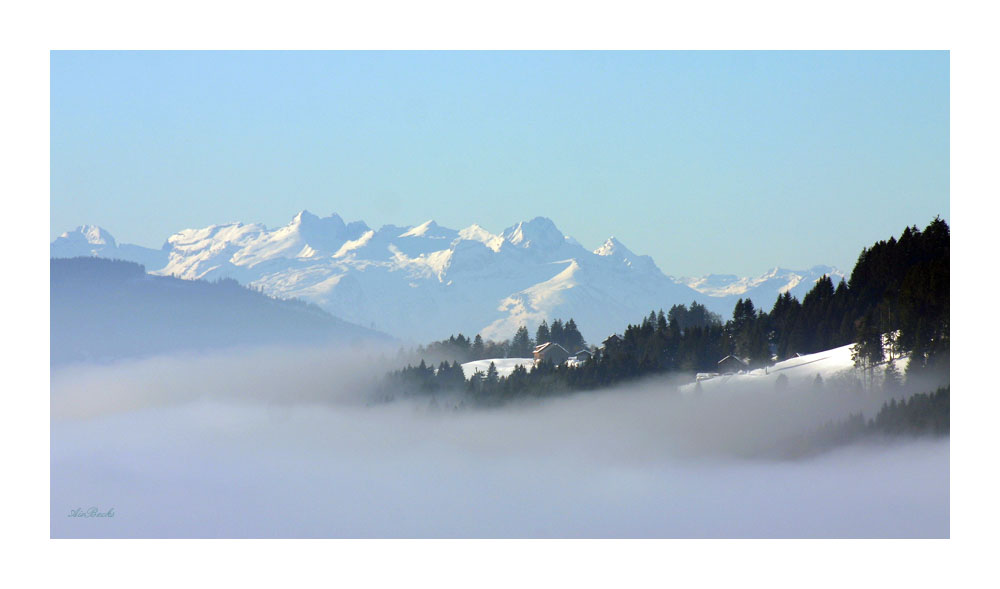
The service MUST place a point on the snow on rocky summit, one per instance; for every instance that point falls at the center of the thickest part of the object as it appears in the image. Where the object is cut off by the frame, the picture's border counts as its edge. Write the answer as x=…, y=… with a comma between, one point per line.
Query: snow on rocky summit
x=426, y=281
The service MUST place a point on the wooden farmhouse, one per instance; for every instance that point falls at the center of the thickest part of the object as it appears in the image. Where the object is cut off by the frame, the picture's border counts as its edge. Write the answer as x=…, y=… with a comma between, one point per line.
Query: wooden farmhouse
x=551, y=352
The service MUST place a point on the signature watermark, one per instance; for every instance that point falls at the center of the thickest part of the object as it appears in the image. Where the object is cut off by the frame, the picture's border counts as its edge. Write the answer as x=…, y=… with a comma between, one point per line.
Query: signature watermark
x=92, y=512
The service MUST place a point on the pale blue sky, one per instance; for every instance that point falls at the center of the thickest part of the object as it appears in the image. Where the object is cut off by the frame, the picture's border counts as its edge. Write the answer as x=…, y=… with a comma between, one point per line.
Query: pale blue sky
x=724, y=162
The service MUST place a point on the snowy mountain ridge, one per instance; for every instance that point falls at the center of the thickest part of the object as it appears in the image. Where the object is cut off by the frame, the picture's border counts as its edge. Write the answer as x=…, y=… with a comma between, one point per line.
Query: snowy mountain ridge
x=779, y=280
x=426, y=281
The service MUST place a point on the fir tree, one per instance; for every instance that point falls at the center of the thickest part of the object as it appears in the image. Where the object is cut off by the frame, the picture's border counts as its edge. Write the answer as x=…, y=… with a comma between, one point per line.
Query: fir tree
x=891, y=379
x=556, y=332
x=492, y=377
x=573, y=337
x=520, y=346
x=542, y=335
x=867, y=352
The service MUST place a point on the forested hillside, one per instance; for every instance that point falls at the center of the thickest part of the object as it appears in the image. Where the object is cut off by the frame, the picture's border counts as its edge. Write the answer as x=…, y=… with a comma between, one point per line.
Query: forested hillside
x=896, y=302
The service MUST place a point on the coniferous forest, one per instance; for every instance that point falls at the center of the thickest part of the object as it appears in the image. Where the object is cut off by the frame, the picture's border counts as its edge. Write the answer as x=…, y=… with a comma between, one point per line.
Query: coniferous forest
x=896, y=302
x=920, y=414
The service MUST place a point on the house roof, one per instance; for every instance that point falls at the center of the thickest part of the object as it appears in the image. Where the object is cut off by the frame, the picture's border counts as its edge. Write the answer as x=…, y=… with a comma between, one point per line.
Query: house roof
x=548, y=346
x=740, y=360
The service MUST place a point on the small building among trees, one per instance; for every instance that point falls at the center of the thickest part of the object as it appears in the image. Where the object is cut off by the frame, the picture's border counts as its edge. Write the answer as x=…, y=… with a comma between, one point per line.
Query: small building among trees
x=732, y=365
x=612, y=341
x=550, y=351
x=580, y=358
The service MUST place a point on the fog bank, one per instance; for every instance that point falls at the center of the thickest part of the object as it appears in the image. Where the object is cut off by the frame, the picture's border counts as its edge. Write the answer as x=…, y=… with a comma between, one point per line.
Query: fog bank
x=281, y=443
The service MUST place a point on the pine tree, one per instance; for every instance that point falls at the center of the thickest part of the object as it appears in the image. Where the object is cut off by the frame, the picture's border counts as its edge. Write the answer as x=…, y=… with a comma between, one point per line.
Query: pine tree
x=574, y=339
x=867, y=352
x=542, y=335
x=891, y=380
x=478, y=348
x=492, y=378
x=677, y=317
x=556, y=332
x=520, y=346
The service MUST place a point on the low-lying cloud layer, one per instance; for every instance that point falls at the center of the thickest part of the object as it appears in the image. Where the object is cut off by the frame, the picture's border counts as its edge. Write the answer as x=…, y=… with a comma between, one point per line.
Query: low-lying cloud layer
x=282, y=443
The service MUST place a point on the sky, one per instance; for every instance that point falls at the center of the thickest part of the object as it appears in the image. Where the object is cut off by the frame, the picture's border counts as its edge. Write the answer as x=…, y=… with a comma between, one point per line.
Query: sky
x=710, y=162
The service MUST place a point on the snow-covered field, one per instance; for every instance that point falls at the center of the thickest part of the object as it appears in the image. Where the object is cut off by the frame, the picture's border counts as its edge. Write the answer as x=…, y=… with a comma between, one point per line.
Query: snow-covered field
x=831, y=366
x=504, y=365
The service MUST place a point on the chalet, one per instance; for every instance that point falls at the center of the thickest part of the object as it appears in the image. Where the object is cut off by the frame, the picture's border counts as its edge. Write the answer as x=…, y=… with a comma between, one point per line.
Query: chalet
x=583, y=356
x=612, y=341
x=551, y=352
x=732, y=365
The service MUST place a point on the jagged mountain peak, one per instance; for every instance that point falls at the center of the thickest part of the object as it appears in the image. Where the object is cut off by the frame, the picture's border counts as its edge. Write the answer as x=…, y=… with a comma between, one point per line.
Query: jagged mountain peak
x=91, y=234
x=613, y=247
x=475, y=232
x=306, y=219
x=430, y=229
x=616, y=250
x=304, y=216
x=427, y=281
x=539, y=232
x=762, y=288
x=323, y=234
x=93, y=240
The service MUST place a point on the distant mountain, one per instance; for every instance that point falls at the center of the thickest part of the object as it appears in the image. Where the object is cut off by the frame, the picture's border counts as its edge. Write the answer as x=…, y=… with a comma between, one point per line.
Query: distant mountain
x=111, y=309
x=762, y=289
x=426, y=282
x=91, y=240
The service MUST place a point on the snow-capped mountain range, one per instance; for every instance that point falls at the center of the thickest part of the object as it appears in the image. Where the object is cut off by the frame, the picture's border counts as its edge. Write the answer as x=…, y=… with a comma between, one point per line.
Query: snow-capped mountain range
x=776, y=280
x=427, y=282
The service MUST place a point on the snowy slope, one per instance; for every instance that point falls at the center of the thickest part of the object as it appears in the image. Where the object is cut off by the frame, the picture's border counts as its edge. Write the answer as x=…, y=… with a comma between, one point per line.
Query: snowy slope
x=505, y=366
x=426, y=281
x=830, y=365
